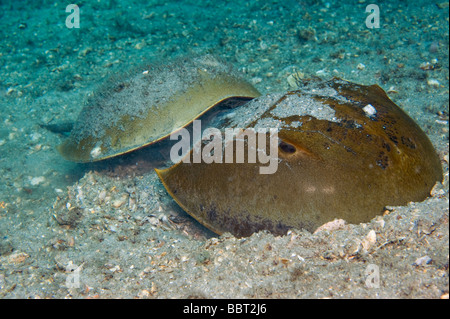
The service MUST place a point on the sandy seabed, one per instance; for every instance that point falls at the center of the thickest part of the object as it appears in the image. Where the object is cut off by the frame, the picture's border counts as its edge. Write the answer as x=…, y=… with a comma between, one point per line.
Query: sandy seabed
x=113, y=225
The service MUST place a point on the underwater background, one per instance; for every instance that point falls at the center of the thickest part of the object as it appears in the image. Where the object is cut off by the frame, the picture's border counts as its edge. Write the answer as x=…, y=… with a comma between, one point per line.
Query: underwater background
x=115, y=223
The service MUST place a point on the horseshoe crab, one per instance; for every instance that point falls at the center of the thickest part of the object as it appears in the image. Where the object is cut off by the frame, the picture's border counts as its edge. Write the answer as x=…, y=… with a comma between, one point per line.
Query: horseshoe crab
x=344, y=151
x=151, y=104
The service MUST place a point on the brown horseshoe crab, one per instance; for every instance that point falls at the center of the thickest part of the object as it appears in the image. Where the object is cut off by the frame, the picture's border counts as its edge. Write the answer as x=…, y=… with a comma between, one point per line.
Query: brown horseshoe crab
x=345, y=151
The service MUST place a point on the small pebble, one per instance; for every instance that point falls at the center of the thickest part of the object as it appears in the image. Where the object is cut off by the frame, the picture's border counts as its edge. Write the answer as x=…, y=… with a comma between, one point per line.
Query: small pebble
x=35, y=137
x=294, y=78
x=369, y=240
x=370, y=110
x=322, y=73
x=17, y=258
x=433, y=82
x=442, y=122
x=119, y=202
x=139, y=45
x=86, y=51
x=263, y=45
x=96, y=151
x=144, y=294
x=426, y=66
x=102, y=196
x=333, y=225
x=113, y=228
x=115, y=269
x=392, y=90
x=422, y=261
x=380, y=221
x=256, y=80
x=37, y=180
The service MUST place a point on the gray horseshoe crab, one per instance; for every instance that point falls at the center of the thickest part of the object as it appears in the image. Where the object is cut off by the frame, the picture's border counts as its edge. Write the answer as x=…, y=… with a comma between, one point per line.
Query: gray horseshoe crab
x=150, y=105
